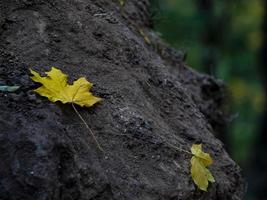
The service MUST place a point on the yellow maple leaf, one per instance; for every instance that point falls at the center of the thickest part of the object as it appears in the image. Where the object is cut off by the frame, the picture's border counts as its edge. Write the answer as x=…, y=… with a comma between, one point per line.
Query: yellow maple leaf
x=147, y=40
x=56, y=88
x=122, y=2
x=199, y=171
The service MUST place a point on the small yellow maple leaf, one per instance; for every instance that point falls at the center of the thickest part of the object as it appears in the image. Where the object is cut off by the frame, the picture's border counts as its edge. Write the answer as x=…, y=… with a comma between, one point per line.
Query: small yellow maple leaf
x=122, y=2
x=199, y=163
x=56, y=88
x=147, y=40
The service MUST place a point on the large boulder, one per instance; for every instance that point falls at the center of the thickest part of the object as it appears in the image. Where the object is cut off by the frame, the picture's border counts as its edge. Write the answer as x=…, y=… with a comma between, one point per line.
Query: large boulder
x=151, y=102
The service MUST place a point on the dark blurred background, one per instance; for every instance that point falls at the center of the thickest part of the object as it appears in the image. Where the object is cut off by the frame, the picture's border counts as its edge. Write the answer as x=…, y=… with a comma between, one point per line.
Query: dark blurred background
x=228, y=40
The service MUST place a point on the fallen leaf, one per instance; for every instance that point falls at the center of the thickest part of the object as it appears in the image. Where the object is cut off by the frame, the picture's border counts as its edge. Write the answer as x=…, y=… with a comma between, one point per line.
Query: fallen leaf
x=122, y=2
x=6, y=88
x=147, y=40
x=56, y=88
x=199, y=171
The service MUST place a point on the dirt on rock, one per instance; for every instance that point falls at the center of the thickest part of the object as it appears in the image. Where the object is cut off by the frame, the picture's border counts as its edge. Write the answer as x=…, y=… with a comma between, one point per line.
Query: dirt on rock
x=151, y=99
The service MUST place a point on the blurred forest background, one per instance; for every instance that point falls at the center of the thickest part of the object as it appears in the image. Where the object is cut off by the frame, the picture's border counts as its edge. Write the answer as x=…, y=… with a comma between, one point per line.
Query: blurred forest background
x=228, y=40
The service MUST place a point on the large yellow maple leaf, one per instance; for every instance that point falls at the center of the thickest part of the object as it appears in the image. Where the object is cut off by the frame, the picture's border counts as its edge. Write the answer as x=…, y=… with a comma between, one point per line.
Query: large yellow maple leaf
x=56, y=88
x=199, y=171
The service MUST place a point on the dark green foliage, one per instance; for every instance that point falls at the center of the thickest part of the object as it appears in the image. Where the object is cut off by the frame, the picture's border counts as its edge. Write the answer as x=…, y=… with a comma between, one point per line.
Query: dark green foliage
x=222, y=38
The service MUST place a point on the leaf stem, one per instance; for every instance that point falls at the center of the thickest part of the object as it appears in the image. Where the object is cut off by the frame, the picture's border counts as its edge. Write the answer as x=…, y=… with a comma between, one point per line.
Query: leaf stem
x=83, y=120
x=87, y=126
x=174, y=147
x=178, y=149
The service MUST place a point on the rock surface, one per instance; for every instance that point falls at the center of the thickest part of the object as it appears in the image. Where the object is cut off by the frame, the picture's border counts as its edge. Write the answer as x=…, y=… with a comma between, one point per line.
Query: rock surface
x=151, y=100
